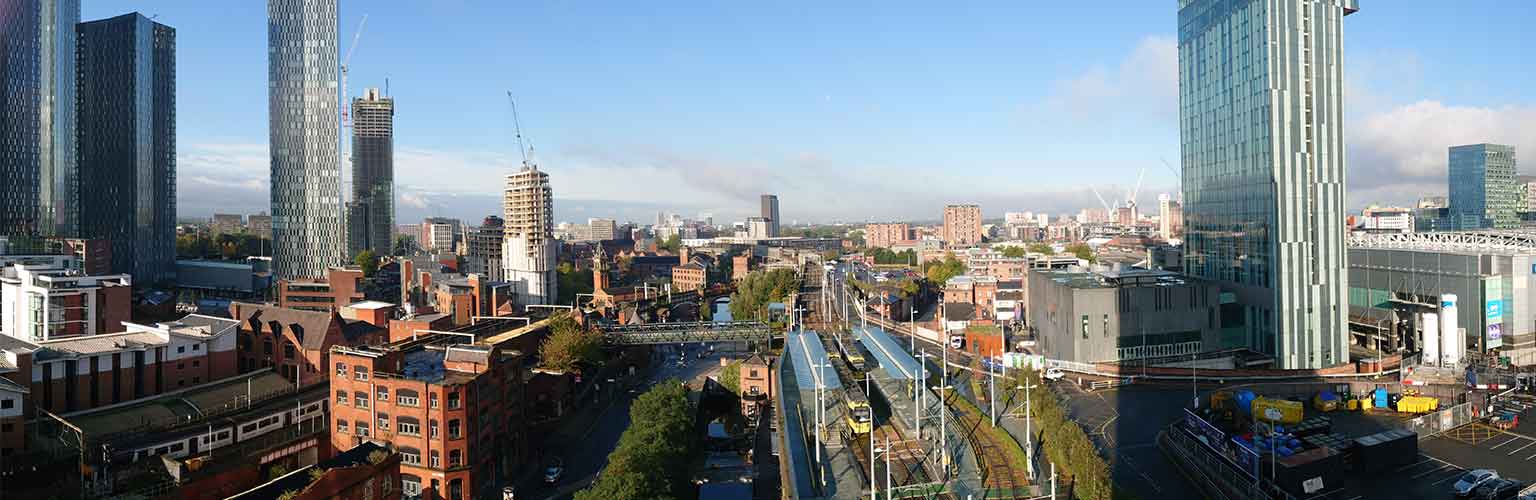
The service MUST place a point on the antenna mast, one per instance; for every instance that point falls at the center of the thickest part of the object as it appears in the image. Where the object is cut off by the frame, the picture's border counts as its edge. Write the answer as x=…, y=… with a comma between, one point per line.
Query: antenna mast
x=518, y=128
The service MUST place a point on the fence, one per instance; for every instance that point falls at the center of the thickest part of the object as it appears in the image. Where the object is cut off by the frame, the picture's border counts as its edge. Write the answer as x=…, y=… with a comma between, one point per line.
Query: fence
x=1435, y=423
x=1157, y=351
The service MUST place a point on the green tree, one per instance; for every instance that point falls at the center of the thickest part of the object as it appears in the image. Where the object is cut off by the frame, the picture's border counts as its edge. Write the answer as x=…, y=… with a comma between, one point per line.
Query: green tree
x=1082, y=251
x=1014, y=252
x=672, y=244
x=569, y=346
x=572, y=282
x=652, y=458
x=368, y=261
x=730, y=377
x=758, y=289
x=1041, y=248
x=908, y=287
x=940, y=271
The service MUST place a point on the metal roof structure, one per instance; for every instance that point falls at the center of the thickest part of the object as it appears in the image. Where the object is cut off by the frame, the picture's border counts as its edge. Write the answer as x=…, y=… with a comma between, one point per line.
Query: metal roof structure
x=1505, y=242
x=896, y=362
x=806, y=353
x=696, y=331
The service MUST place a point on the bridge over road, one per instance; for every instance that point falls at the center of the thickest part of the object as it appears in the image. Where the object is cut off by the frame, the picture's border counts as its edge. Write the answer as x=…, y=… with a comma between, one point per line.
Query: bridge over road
x=695, y=331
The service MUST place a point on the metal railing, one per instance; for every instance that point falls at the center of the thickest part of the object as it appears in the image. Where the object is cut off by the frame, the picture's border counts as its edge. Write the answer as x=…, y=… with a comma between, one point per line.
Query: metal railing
x=1433, y=424
x=1157, y=351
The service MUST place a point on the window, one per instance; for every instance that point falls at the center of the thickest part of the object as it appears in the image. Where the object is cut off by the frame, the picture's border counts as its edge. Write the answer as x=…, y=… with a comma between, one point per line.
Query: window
x=752, y=373
x=432, y=429
x=410, y=485
x=181, y=365
x=7, y=403
x=408, y=426
x=436, y=459
x=341, y=369
x=453, y=429
x=197, y=380
x=1085, y=327
x=341, y=426
x=266, y=347
x=287, y=350
x=753, y=390
x=383, y=422
x=384, y=394
x=197, y=347
x=455, y=458
x=181, y=349
x=409, y=455
x=361, y=372
x=361, y=399
x=1106, y=326
x=362, y=428
x=196, y=363
x=407, y=397
x=432, y=400
x=453, y=400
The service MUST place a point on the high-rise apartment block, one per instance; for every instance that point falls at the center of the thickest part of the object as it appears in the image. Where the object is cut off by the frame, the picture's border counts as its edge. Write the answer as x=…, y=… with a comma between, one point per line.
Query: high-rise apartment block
x=1261, y=91
x=1483, y=192
x=770, y=211
x=44, y=301
x=1170, y=217
x=883, y=235
x=37, y=121
x=371, y=212
x=962, y=225
x=529, y=249
x=484, y=253
x=602, y=229
x=308, y=233
x=126, y=139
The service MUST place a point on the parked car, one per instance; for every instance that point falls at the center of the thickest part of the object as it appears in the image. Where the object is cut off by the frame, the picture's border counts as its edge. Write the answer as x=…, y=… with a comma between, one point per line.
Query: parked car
x=1498, y=489
x=1054, y=374
x=1471, y=480
x=554, y=471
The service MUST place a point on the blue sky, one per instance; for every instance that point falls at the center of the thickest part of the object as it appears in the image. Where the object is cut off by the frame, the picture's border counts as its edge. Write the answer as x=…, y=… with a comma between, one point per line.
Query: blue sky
x=849, y=111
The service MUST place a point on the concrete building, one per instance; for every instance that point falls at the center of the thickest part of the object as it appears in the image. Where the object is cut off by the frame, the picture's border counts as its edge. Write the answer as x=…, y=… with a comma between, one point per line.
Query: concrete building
x=759, y=228
x=962, y=225
x=37, y=139
x=371, y=218
x=1267, y=223
x=126, y=100
x=308, y=230
x=484, y=254
x=756, y=383
x=1387, y=219
x=1394, y=279
x=529, y=249
x=259, y=225
x=978, y=291
x=93, y=254
x=454, y=411
x=886, y=234
x=770, y=211
x=602, y=229
x=440, y=234
x=1091, y=316
x=1170, y=218
x=137, y=361
x=226, y=224
x=350, y=475
x=41, y=302
x=1481, y=181
x=340, y=287
x=741, y=266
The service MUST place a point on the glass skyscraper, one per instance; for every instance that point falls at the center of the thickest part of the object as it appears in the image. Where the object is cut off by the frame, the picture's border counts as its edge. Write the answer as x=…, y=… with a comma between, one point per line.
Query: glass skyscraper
x=308, y=233
x=37, y=120
x=372, y=218
x=1483, y=191
x=1260, y=118
x=127, y=138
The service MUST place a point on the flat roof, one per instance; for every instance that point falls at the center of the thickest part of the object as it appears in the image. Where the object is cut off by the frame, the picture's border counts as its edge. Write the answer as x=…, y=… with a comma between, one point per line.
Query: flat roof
x=805, y=349
x=896, y=363
x=370, y=304
x=179, y=406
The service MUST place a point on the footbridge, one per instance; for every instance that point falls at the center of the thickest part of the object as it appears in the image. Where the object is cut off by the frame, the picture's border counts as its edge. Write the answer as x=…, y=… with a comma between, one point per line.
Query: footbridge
x=696, y=331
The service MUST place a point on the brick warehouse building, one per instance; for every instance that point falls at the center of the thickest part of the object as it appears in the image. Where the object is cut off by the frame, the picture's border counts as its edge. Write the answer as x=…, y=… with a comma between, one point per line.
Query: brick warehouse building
x=295, y=343
x=453, y=411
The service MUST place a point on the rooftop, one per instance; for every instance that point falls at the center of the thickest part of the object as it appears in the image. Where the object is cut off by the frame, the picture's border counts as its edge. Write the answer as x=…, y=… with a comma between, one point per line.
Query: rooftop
x=1497, y=242
x=180, y=406
x=370, y=304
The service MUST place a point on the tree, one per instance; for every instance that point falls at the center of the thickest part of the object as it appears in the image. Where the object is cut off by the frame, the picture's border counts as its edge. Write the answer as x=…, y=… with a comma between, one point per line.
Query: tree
x=1014, y=252
x=909, y=287
x=572, y=282
x=569, y=346
x=368, y=261
x=759, y=288
x=940, y=271
x=404, y=244
x=730, y=377
x=652, y=458
x=1082, y=251
x=672, y=244
x=1041, y=248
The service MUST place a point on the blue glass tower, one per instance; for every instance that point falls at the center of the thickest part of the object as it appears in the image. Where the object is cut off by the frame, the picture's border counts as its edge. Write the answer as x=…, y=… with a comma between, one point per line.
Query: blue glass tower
x=1483, y=191
x=37, y=119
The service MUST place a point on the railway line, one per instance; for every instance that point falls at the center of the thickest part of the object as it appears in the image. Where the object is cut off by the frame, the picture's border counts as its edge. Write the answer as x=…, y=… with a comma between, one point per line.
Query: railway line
x=1002, y=472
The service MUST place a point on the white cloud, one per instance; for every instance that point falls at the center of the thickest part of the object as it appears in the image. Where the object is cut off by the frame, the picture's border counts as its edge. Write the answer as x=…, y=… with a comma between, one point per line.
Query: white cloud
x=1399, y=154
x=1146, y=81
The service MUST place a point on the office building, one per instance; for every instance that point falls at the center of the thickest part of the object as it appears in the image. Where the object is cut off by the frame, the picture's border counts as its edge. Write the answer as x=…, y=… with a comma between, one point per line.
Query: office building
x=1109, y=315
x=484, y=254
x=1170, y=217
x=41, y=301
x=758, y=228
x=440, y=234
x=602, y=230
x=308, y=230
x=883, y=235
x=226, y=224
x=962, y=225
x=1481, y=182
x=1387, y=219
x=259, y=225
x=372, y=210
x=770, y=211
x=126, y=133
x=1261, y=90
x=37, y=122
x=529, y=247
x=339, y=288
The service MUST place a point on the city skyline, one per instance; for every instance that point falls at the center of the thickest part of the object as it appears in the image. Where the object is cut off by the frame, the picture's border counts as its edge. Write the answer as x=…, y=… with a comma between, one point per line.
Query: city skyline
x=1412, y=98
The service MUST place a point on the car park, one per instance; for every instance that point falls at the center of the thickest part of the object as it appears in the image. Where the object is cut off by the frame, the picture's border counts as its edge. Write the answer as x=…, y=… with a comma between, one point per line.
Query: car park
x=1463, y=487
x=1498, y=489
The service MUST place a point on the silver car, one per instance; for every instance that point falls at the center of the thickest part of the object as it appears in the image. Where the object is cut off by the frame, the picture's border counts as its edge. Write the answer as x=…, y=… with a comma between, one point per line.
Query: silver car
x=1471, y=480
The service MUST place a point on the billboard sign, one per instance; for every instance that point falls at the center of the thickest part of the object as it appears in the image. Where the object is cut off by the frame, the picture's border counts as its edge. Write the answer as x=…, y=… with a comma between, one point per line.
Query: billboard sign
x=1493, y=313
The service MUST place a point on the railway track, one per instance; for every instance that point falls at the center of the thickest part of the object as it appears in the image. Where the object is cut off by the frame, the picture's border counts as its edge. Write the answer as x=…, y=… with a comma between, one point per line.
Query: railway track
x=1001, y=474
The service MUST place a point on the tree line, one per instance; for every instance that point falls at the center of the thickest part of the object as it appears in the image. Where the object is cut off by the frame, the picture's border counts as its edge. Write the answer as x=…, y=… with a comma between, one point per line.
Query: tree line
x=653, y=456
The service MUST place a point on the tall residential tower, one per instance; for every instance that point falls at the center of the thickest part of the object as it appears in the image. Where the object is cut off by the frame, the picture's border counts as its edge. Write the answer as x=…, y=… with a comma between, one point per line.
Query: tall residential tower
x=529, y=249
x=1260, y=117
x=770, y=211
x=1483, y=190
x=127, y=143
x=962, y=225
x=308, y=233
x=37, y=119
x=372, y=210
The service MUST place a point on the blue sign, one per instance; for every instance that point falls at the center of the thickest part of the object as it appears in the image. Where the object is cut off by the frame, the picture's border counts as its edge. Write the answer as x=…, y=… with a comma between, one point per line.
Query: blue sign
x=1495, y=309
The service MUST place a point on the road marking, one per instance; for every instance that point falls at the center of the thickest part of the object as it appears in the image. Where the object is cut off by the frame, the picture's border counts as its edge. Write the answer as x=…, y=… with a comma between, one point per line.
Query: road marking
x=1527, y=445
x=1448, y=478
x=1511, y=440
x=1415, y=464
x=1428, y=472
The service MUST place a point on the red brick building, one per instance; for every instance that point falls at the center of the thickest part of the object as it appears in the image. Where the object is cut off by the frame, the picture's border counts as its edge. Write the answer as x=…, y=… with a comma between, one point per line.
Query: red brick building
x=73, y=303
x=688, y=277
x=884, y=235
x=756, y=384
x=368, y=471
x=454, y=412
x=296, y=343
x=340, y=288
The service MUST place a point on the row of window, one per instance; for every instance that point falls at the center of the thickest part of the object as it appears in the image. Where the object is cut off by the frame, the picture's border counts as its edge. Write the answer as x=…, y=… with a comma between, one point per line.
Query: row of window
x=405, y=426
x=412, y=456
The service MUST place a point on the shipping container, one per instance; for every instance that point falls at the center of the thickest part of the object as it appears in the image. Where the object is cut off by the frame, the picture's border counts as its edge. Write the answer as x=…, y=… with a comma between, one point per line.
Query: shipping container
x=1277, y=410
x=1310, y=472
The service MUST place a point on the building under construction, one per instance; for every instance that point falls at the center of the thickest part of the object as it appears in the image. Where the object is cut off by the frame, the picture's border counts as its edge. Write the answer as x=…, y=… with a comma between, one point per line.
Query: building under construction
x=529, y=249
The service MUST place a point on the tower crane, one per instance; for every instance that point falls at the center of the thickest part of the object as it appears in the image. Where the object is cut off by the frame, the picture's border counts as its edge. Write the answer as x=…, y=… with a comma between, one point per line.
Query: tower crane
x=346, y=94
x=517, y=128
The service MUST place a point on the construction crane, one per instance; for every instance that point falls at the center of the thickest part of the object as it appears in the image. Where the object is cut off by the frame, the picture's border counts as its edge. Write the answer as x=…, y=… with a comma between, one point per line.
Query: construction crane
x=518, y=129
x=1176, y=175
x=346, y=94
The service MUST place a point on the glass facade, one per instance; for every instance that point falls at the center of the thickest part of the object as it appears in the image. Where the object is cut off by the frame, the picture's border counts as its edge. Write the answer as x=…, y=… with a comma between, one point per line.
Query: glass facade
x=302, y=73
x=372, y=210
x=1483, y=190
x=127, y=138
x=1260, y=113
x=37, y=121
